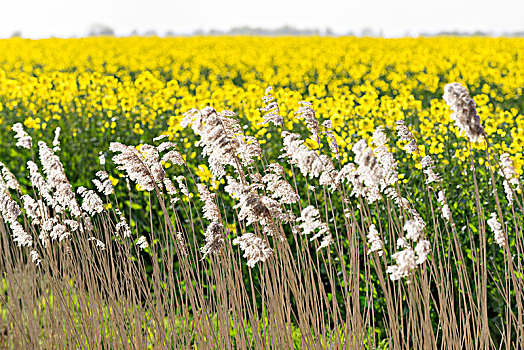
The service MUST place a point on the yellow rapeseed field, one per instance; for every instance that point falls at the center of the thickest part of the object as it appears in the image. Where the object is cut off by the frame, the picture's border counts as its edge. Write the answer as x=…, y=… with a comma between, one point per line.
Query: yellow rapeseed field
x=358, y=83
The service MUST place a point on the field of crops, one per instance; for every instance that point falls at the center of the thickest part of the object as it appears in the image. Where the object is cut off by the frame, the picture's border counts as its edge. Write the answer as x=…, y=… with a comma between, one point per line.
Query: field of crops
x=330, y=93
x=98, y=90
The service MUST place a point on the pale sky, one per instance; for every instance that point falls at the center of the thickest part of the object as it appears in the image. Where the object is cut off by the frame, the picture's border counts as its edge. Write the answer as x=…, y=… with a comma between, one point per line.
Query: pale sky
x=73, y=18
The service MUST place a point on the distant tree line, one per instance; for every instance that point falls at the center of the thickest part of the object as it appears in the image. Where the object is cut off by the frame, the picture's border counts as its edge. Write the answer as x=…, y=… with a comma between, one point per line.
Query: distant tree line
x=101, y=29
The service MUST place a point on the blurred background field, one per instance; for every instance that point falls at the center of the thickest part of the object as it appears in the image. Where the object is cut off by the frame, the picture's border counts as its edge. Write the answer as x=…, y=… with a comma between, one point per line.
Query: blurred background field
x=133, y=89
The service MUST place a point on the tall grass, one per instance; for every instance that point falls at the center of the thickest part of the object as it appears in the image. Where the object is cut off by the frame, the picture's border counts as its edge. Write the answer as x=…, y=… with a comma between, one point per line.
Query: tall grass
x=275, y=259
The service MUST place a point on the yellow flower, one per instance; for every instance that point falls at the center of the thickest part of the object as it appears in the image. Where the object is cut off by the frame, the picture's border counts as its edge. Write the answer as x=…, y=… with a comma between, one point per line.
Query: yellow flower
x=113, y=180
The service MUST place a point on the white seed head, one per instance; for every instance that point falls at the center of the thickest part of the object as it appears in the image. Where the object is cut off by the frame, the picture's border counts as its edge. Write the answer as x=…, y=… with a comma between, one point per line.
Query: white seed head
x=255, y=248
x=142, y=242
x=496, y=227
x=98, y=243
x=464, y=111
x=405, y=262
x=23, y=139
x=374, y=241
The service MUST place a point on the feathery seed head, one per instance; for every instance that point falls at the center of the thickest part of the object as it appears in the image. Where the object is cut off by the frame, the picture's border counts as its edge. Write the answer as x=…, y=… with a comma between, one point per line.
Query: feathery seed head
x=64, y=197
x=211, y=211
x=496, y=227
x=446, y=211
x=102, y=158
x=23, y=139
x=279, y=187
x=255, y=248
x=56, y=140
x=415, y=227
x=59, y=231
x=35, y=257
x=103, y=183
x=311, y=222
x=422, y=249
x=271, y=112
x=333, y=145
x=405, y=262
x=20, y=236
x=214, y=238
x=464, y=111
x=9, y=178
x=133, y=163
x=92, y=203
x=8, y=207
x=98, y=243
x=511, y=180
x=374, y=241
x=307, y=113
x=142, y=242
